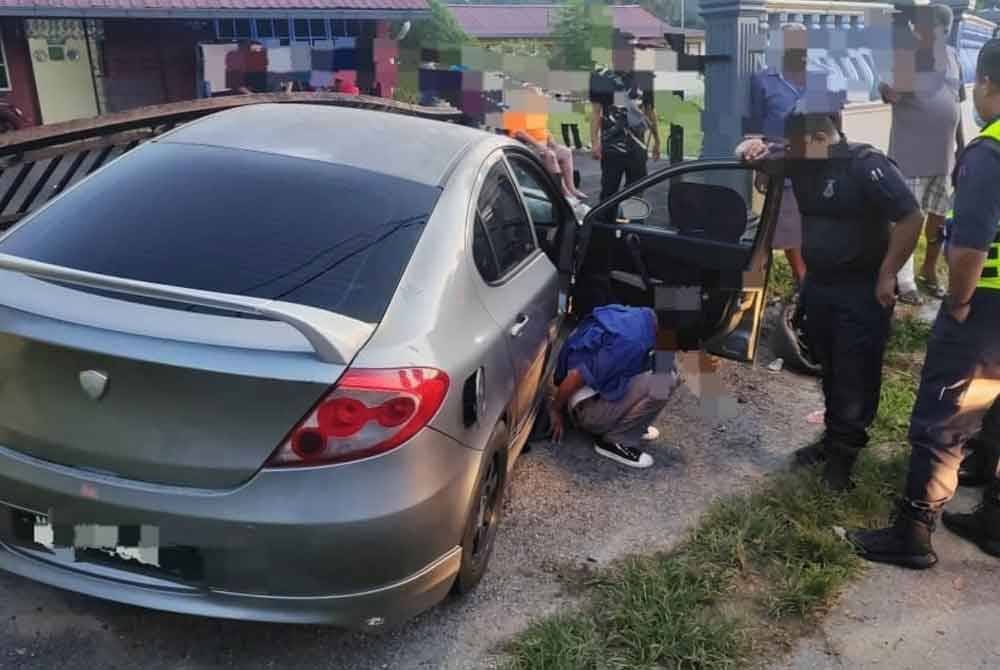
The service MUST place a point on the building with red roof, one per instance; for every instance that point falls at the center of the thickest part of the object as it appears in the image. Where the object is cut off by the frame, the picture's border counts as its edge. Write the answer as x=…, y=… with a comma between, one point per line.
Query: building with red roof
x=67, y=59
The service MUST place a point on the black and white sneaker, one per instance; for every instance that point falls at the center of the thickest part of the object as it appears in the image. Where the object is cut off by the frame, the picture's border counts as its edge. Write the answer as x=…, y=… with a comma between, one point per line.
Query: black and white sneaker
x=630, y=456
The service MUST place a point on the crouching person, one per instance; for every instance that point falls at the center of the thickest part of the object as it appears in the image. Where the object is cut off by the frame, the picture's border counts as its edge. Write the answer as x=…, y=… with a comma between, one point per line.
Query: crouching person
x=607, y=384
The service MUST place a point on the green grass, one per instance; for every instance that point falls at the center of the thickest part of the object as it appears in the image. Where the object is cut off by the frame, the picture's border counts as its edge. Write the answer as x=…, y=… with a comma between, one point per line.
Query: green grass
x=754, y=574
x=781, y=283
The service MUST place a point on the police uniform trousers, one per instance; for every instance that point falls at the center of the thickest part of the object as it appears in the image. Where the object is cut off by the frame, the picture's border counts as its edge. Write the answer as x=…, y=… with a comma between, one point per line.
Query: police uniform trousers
x=847, y=331
x=959, y=388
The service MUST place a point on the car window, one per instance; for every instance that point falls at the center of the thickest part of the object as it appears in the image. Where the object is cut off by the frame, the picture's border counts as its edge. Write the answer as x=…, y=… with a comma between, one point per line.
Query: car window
x=707, y=204
x=239, y=222
x=504, y=220
x=536, y=196
x=482, y=252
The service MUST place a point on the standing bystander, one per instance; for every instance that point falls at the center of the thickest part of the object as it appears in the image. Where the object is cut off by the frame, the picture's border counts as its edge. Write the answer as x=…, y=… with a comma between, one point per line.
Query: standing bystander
x=621, y=116
x=773, y=96
x=926, y=131
x=960, y=383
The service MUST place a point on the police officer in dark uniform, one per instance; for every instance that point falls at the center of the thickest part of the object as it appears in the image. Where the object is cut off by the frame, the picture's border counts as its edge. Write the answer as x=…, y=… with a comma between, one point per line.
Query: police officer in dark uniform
x=849, y=196
x=960, y=383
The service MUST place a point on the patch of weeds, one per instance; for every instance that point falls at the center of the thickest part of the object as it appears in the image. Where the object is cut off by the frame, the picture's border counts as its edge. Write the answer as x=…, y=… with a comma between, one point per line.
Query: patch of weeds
x=909, y=335
x=899, y=391
x=781, y=283
x=563, y=642
x=660, y=611
x=772, y=555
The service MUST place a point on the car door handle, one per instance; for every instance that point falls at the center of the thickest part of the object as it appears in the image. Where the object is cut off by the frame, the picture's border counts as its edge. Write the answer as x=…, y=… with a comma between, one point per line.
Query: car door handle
x=518, y=327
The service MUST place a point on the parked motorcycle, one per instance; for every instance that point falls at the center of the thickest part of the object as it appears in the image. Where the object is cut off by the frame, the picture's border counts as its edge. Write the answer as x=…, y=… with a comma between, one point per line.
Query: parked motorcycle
x=788, y=339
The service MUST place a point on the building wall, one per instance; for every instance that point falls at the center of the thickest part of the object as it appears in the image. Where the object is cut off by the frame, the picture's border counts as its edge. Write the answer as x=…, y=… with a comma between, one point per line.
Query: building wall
x=21, y=78
x=150, y=62
x=63, y=72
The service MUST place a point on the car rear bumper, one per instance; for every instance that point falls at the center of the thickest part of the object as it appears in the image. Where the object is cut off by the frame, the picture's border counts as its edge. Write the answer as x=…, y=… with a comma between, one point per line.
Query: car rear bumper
x=372, y=542
x=371, y=610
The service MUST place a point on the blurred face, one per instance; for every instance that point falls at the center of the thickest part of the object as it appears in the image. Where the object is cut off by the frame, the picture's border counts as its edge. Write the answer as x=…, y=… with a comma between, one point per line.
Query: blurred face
x=795, y=51
x=928, y=29
x=815, y=145
x=986, y=97
x=794, y=61
x=941, y=33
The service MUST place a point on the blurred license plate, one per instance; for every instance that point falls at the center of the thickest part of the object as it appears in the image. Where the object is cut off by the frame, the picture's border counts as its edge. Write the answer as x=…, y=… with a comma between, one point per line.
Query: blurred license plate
x=30, y=526
x=135, y=543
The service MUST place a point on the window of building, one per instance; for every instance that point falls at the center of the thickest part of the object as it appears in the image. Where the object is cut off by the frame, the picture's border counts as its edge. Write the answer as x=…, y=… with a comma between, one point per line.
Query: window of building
x=286, y=31
x=266, y=28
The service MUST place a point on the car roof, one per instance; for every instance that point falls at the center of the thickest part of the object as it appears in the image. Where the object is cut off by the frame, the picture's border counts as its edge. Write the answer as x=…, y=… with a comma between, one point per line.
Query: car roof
x=408, y=147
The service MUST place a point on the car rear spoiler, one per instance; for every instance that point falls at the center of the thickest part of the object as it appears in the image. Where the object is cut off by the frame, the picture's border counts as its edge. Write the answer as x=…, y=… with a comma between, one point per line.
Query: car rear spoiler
x=335, y=338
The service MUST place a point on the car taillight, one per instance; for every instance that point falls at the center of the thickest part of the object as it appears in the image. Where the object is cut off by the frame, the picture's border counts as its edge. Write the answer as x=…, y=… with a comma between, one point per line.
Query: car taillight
x=369, y=412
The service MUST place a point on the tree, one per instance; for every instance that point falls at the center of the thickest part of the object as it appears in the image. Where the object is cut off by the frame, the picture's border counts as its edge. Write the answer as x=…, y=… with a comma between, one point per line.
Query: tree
x=440, y=31
x=573, y=37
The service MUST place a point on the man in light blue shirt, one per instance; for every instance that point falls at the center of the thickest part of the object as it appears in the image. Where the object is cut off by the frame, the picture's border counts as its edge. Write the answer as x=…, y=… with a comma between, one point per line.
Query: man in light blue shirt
x=774, y=95
x=605, y=378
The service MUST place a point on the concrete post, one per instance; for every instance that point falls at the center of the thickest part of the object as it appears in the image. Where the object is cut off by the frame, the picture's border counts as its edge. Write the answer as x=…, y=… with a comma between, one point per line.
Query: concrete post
x=734, y=41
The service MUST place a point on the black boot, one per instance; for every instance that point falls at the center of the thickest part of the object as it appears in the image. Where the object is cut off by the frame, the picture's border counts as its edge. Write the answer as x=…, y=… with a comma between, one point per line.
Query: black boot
x=907, y=542
x=839, y=465
x=982, y=526
x=811, y=454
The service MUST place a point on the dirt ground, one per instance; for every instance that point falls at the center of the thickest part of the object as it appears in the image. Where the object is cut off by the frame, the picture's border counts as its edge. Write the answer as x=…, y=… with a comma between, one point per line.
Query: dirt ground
x=909, y=620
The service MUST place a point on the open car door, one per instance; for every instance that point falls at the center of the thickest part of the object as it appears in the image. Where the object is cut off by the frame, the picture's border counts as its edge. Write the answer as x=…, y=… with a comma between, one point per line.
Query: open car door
x=691, y=242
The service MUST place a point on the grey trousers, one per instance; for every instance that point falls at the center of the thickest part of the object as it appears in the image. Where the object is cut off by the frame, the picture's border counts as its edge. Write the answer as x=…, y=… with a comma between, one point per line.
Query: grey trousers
x=625, y=421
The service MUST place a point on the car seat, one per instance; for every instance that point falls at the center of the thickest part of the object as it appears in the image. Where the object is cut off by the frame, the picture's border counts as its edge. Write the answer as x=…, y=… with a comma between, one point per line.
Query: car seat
x=707, y=211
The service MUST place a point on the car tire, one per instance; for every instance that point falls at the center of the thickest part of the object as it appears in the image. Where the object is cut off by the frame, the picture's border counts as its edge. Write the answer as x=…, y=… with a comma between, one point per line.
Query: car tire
x=485, y=511
x=789, y=342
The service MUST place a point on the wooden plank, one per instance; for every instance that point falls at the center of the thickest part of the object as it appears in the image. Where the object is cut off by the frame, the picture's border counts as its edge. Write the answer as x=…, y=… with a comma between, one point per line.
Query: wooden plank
x=12, y=190
x=69, y=174
x=92, y=144
x=8, y=221
x=100, y=160
x=60, y=133
x=39, y=184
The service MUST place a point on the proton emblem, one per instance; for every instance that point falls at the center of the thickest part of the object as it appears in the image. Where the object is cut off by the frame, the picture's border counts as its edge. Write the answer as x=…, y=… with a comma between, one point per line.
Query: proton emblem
x=94, y=384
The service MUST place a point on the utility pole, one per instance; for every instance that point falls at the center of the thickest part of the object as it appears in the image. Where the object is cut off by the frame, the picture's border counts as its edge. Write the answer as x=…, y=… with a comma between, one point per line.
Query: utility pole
x=682, y=14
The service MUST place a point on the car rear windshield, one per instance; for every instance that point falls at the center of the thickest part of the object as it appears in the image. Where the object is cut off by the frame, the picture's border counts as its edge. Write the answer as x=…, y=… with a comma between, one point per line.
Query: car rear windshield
x=240, y=222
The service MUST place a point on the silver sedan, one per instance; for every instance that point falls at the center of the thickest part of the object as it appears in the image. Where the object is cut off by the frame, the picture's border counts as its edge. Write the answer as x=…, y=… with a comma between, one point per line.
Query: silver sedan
x=278, y=364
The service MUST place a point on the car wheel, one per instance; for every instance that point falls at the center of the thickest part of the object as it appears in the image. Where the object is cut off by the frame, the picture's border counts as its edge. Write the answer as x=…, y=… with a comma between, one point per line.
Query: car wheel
x=789, y=342
x=484, y=514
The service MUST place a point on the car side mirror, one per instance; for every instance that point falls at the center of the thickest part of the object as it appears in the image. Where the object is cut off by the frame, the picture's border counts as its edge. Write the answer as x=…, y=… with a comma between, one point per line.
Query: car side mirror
x=634, y=209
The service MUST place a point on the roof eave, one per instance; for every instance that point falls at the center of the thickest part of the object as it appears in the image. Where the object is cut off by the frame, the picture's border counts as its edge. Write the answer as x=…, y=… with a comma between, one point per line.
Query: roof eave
x=204, y=14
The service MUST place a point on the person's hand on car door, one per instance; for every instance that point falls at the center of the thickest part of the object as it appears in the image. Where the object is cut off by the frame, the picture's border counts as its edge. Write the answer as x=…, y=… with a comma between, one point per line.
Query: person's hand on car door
x=754, y=149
